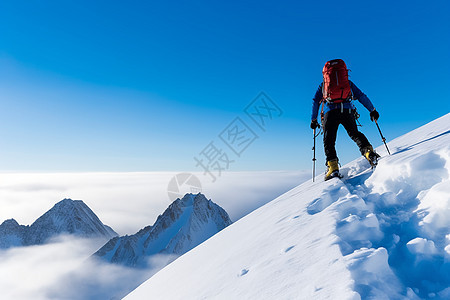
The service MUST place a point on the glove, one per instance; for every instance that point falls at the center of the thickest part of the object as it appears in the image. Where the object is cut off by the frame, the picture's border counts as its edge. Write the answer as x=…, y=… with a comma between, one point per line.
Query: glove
x=314, y=124
x=374, y=115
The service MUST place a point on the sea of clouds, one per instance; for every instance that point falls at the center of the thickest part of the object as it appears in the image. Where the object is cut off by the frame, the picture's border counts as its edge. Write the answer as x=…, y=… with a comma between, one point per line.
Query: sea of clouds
x=125, y=201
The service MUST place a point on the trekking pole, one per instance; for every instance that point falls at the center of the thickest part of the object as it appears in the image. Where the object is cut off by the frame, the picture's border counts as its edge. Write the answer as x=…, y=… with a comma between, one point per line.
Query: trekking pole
x=314, y=153
x=382, y=137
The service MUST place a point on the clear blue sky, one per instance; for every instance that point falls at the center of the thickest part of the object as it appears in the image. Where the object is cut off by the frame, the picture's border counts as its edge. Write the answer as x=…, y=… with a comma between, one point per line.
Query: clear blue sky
x=147, y=85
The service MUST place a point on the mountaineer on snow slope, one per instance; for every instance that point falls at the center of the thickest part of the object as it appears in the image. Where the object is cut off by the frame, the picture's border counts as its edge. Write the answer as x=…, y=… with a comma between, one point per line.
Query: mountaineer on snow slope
x=335, y=93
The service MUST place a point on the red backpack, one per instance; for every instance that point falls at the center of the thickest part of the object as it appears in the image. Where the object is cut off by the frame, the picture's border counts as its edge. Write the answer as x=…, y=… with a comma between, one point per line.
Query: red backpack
x=336, y=87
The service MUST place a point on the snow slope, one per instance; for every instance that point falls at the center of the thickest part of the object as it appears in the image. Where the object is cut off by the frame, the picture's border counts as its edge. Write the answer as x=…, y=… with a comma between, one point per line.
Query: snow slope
x=377, y=234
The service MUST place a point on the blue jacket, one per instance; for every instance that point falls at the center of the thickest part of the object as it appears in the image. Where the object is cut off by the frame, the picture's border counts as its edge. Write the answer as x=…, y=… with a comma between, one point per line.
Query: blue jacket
x=357, y=95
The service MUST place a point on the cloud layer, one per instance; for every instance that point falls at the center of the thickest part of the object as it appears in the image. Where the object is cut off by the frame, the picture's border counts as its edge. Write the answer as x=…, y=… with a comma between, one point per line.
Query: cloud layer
x=129, y=201
x=125, y=201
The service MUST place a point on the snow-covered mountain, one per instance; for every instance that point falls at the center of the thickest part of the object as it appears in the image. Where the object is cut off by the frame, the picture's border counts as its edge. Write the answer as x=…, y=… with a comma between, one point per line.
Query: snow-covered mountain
x=186, y=223
x=12, y=234
x=376, y=234
x=68, y=216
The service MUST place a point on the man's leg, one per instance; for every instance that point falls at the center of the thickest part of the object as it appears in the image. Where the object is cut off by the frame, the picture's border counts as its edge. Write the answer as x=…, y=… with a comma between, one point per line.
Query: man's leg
x=330, y=126
x=349, y=123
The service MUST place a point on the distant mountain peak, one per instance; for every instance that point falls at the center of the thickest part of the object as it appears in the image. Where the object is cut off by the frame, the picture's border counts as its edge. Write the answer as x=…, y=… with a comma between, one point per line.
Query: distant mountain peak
x=11, y=234
x=187, y=222
x=68, y=203
x=10, y=223
x=68, y=216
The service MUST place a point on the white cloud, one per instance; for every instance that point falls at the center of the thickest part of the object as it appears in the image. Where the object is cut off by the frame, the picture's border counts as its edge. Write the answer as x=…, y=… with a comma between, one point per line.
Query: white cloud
x=63, y=270
x=95, y=279
x=28, y=272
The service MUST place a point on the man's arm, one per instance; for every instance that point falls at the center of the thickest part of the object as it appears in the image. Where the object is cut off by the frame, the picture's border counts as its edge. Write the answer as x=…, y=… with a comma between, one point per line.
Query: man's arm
x=357, y=94
x=316, y=103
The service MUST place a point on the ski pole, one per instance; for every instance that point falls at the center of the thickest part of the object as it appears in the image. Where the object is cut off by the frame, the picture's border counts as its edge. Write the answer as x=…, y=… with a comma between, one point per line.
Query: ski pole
x=382, y=137
x=314, y=153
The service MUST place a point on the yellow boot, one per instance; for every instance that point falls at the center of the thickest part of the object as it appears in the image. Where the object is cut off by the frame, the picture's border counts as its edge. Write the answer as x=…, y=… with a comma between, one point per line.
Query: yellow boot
x=333, y=169
x=371, y=156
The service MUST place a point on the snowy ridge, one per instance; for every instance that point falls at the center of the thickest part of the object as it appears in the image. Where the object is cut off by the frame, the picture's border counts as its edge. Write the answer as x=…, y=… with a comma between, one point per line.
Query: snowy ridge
x=377, y=234
x=186, y=223
x=68, y=216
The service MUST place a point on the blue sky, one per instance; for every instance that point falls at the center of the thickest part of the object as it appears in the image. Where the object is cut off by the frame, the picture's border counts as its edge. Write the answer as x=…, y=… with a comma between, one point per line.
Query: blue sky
x=147, y=85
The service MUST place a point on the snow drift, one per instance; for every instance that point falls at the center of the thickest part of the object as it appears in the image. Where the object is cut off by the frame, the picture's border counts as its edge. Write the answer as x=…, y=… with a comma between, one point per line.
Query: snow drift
x=376, y=234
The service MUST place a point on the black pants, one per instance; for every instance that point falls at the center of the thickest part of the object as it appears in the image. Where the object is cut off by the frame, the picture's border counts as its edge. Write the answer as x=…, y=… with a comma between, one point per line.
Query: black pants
x=332, y=119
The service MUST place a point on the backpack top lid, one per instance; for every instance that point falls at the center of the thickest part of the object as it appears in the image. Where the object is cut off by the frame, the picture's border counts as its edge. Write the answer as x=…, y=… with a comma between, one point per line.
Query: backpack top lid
x=333, y=65
x=336, y=86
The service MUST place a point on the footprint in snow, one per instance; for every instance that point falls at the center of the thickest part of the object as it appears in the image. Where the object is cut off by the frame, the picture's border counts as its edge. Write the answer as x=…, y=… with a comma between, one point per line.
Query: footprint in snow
x=243, y=272
x=315, y=206
x=288, y=249
x=328, y=197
